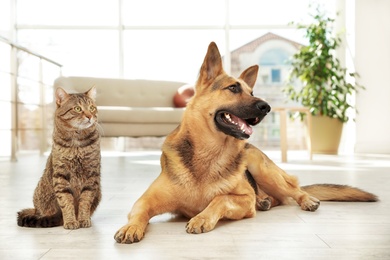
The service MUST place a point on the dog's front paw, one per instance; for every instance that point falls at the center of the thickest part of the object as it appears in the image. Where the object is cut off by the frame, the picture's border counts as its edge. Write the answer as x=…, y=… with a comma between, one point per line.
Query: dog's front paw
x=198, y=225
x=129, y=234
x=310, y=204
x=74, y=224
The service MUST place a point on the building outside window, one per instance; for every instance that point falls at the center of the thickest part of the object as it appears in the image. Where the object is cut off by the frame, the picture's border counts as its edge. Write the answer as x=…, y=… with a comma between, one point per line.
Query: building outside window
x=275, y=76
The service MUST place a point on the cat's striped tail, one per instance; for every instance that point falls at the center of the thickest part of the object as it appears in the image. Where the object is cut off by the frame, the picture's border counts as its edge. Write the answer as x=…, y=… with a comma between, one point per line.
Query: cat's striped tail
x=29, y=218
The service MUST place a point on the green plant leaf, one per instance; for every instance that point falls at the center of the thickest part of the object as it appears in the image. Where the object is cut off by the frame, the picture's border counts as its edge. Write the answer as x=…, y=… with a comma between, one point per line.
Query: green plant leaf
x=324, y=88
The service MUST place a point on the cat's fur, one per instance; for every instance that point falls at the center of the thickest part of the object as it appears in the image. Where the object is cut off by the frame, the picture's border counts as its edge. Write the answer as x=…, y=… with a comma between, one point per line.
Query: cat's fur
x=69, y=190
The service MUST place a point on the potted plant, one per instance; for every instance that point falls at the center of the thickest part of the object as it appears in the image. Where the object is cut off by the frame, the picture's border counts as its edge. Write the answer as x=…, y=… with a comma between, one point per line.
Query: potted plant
x=324, y=88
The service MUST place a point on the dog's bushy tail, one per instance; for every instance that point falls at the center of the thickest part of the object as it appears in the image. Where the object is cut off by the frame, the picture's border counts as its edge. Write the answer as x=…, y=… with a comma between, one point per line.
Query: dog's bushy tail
x=335, y=192
x=29, y=218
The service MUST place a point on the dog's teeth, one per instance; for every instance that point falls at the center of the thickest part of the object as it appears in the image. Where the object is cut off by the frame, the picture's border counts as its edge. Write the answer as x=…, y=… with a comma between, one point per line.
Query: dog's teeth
x=242, y=128
x=227, y=116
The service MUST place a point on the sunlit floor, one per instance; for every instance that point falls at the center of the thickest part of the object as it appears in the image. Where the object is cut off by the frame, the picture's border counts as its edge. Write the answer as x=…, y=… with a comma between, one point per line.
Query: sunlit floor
x=335, y=231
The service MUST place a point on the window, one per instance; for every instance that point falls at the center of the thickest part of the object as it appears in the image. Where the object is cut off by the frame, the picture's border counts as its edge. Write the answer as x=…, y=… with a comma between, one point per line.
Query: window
x=132, y=38
x=69, y=13
x=160, y=40
x=5, y=18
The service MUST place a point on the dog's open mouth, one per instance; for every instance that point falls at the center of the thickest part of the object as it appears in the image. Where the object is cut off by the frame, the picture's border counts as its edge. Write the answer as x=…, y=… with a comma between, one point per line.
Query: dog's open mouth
x=234, y=125
x=244, y=125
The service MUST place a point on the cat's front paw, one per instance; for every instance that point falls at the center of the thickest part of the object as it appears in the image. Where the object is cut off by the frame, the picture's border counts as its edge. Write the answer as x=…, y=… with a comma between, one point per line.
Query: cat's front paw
x=74, y=224
x=85, y=223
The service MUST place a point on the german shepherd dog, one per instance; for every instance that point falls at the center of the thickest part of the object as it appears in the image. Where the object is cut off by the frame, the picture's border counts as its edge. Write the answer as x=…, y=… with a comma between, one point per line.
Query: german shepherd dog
x=209, y=172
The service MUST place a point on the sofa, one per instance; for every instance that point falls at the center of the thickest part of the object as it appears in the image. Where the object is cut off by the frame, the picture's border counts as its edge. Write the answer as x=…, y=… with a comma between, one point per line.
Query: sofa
x=130, y=107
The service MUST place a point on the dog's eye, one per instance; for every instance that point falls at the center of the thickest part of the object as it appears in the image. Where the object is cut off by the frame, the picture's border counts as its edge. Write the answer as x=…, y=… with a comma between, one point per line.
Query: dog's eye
x=234, y=88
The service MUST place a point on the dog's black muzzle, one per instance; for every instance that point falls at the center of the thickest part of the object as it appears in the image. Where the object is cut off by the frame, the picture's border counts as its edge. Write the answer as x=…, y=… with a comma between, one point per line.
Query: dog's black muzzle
x=237, y=121
x=263, y=107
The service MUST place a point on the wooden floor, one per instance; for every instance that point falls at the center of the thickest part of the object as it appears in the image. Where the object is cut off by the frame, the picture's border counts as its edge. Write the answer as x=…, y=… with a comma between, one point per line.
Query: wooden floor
x=335, y=231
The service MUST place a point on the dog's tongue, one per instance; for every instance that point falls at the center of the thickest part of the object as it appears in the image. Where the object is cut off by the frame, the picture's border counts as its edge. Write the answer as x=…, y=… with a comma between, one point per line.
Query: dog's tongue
x=241, y=124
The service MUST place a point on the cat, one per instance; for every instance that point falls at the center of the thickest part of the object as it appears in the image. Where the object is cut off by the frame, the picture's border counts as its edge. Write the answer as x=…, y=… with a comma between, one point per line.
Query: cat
x=69, y=190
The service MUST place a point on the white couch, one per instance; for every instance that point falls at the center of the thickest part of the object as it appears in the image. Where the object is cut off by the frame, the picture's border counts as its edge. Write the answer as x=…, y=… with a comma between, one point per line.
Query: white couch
x=130, y=108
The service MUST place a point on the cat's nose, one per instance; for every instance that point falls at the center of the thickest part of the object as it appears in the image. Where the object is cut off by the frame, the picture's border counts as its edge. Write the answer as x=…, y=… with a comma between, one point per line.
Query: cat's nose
x=89, y=116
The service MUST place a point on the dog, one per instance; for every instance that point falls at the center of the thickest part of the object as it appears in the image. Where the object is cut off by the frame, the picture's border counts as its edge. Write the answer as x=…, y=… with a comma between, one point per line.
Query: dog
x=208, y=170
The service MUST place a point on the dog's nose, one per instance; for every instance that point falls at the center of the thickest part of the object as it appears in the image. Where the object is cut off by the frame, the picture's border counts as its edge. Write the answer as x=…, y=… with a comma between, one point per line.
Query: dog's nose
x=263, y=107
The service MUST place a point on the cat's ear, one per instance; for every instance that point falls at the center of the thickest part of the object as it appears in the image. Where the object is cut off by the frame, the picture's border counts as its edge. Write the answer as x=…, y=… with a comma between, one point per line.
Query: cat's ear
x=61, y=96
x=91, y=93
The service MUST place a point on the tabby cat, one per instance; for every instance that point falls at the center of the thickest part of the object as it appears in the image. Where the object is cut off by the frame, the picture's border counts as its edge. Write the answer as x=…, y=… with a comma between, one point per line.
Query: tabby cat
x=69, y=190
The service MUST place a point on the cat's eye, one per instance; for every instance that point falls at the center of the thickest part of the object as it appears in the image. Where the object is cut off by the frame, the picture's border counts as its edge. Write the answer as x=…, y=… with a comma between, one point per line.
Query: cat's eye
x=92, y=108
x=78, y=109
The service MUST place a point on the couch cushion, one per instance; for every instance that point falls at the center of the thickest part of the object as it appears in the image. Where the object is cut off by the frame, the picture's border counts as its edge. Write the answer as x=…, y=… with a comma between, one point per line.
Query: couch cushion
x=140, y=114
x=124, y=92
x=136, y=130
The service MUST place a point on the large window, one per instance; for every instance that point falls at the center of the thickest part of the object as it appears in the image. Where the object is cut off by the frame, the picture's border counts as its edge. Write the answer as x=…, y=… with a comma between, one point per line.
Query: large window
x=167, y=39
x=150, y=38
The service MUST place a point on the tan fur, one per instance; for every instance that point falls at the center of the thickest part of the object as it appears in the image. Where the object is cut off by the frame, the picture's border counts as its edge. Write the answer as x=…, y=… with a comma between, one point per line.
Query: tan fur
x=69, y=190
x=208, y=171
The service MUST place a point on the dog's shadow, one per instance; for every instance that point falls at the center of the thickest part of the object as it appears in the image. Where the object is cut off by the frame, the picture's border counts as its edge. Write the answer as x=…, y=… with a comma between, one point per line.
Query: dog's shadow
x=178, y=218
x=169, y=218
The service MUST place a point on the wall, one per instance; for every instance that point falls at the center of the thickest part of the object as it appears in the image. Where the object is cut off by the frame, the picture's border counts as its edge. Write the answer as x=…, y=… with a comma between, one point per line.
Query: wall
x=372, y=61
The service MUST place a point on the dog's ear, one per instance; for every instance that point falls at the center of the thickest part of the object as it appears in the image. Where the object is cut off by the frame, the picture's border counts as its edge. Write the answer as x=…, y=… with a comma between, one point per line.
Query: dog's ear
x=250, y=75
x=212, y=65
